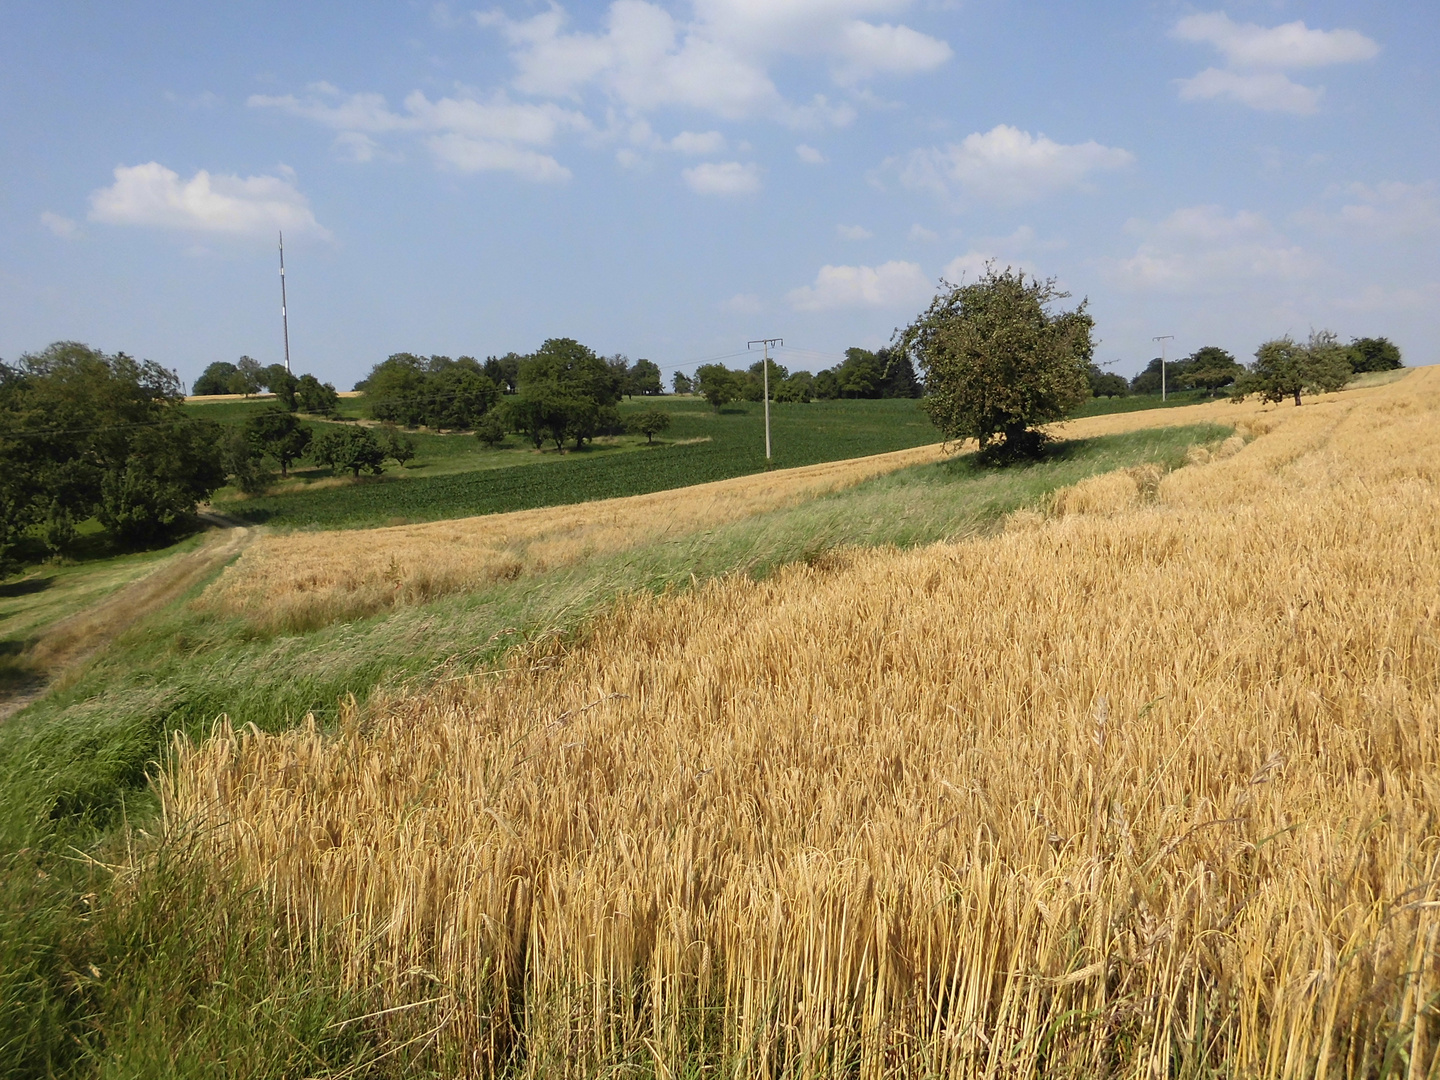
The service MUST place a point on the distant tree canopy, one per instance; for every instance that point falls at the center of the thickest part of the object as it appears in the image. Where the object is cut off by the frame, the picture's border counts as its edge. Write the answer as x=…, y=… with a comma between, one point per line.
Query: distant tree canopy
x=1373, y=354
x=649, y=423
x=999, y=362
x=863, y=374
x=215, y=379
x=1106, y=384
x=645, y=379
x=682, y=383
x=438, y=392
x=504, y=371
x=1284, y=368
x=566, y=391
x=248, y=377
x=1208, y=368
x=84, y=434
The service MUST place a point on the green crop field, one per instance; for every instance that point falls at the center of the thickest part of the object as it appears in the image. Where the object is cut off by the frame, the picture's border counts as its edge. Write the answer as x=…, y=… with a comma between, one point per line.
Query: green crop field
x=701, y=445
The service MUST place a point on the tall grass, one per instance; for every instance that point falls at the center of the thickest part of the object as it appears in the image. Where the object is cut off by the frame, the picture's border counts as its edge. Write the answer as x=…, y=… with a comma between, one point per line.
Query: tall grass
x=1145, y=786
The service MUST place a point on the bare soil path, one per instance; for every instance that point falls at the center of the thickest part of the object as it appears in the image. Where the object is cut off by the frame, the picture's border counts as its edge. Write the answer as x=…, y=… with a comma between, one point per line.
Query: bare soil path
x=63, y=648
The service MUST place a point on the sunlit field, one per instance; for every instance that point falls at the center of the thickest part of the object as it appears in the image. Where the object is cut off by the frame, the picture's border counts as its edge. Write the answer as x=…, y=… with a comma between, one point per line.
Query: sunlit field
x=1144, y=785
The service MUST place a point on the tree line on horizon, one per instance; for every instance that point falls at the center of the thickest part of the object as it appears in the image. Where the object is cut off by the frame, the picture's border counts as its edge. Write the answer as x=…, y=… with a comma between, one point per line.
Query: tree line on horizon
x=1215, y=370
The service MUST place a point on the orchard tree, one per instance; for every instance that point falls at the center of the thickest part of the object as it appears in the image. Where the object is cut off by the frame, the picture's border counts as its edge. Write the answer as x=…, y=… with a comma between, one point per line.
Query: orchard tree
x=1284, y=368
x=717, y=384
x=314, y=397
x=683, y=383
x=649, y=423
x=999, y=362
x=247, y=379
x=491, y=429
x=279, y=434
x=398, y=446
x=281, y=383
x=349, y=448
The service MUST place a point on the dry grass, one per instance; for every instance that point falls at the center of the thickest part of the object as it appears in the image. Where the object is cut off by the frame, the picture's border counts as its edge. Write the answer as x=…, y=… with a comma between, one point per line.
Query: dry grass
x=300, y=580
x=1150, y=791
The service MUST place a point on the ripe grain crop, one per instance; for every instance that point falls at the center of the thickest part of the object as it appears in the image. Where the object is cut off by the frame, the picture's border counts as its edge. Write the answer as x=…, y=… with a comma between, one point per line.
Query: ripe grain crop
x=299, y=580
x=296, y=581
x=1148, y=785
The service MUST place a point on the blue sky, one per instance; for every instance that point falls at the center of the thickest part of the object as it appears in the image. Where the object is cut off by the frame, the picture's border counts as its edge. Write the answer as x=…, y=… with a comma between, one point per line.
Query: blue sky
x=668, y=180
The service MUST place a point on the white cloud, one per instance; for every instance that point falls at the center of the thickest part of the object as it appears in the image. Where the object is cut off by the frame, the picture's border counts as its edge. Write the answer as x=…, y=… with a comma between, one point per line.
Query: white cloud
x=853, y=232
x=809, y=155
x=723, y=178
x=644, y=58
x=867, y=50
x=1269, y=91
x=151, y=194
x=923, y=235
x=1386, y=211
x=1007, y=165
x=1256, y=56
x=62, y=227
x=1202, y=249
x=705, y=142
x=1293, y=45
x=468, y=155
x=463, y=133
x=890, y=285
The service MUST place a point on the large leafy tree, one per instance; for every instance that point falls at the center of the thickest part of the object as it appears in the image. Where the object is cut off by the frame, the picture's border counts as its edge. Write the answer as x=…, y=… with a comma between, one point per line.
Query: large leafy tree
x=215, y=379
x=1374, y=354
x=645, y=378
x=569, y=391
x=999, y=362
x=1284, y=368
x=84, y=434
x=717, y=384
x=439, y=392
x=279, y=434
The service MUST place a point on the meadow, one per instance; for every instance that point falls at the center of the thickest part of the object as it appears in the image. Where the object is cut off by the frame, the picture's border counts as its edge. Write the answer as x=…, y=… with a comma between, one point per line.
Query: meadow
x=1144, y=785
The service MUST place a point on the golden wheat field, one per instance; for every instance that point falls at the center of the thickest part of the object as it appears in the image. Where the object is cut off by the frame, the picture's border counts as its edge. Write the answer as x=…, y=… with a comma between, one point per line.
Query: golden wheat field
x=1147, y=786
x=304, y=579
x=298, y=580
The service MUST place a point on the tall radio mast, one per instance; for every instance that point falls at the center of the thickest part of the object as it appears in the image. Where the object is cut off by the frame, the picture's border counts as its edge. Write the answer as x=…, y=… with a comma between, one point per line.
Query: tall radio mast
x=284, y=318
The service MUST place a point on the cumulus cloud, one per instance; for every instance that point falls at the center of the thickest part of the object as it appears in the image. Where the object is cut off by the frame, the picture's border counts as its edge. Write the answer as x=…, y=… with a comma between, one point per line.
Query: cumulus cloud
x=62, y=227
x=723, y=178
x=644, y=58
x=853, y=232
x=866, y=50
x=1292, y=45
x=923, y=235
x=698, y=143
x=1007, y=165
x=153, y=195
x=809, y=155
x=1257, y=56
x=1268, y=91
x=1203, y=249
x=464, y=133
x=893, y=284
